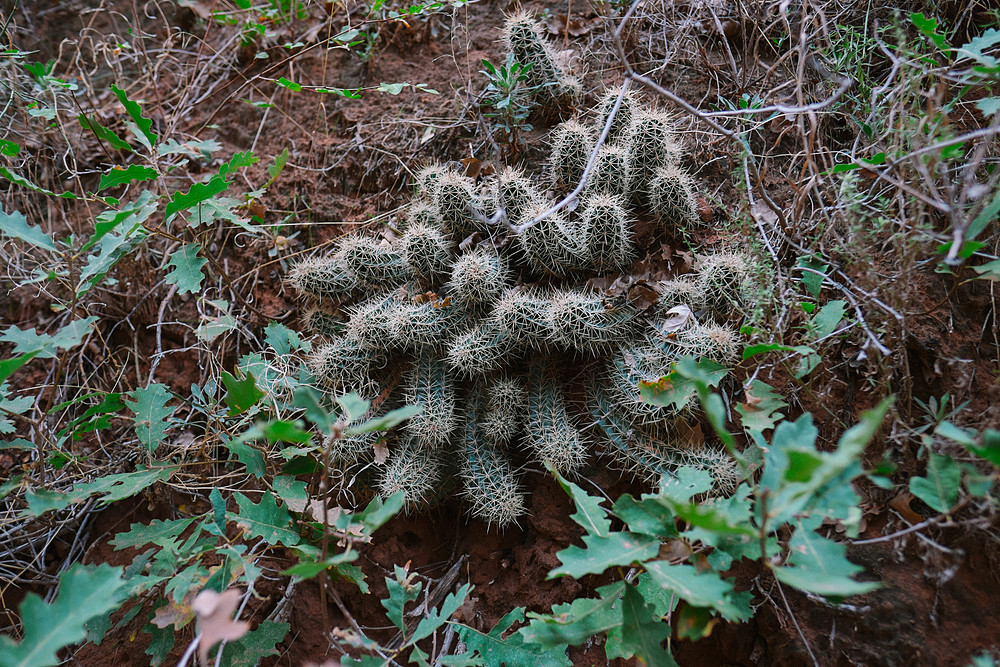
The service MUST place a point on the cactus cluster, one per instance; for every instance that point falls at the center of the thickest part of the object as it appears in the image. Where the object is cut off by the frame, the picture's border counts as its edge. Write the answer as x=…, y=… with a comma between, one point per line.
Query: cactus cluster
x=511, y=356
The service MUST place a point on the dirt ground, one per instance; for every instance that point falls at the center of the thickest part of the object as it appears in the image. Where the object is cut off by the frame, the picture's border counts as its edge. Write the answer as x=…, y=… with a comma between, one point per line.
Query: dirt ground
x=351, y=160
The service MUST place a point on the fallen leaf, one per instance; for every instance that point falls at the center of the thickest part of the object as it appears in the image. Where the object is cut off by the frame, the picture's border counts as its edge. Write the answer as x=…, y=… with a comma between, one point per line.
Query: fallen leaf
x=677, y=318
x=642, y=296
x=215, y=619
x=901, y=503
x=381, y=451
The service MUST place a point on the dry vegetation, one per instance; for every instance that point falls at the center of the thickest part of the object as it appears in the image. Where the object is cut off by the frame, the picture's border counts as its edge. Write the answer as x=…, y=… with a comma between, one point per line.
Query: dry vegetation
x=167, y=164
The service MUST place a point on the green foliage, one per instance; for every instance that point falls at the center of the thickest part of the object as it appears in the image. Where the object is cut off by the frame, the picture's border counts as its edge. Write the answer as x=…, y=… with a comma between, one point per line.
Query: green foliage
x=84, y=593
x=151, y=412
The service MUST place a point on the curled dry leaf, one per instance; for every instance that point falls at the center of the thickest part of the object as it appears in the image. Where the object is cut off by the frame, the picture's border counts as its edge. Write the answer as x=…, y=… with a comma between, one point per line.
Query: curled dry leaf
x=677, y=318
x=215, y=619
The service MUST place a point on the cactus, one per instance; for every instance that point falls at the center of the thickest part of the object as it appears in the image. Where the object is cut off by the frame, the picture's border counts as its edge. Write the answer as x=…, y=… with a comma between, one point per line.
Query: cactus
x=585, y=322
x=368, y=322
x=342, y=366
x=679, y=291
x=518, y=195
x=623, y=372
x=371, y=262
x=649, y=457
x=418, y=325
x=323, y=322
x=478, y=278
x=718, y=343
x=670, y=196
x=727, y=279
x=414, y=470
x=424, y=213
x=453, y=197
x=550, y=432
x=424, y=249
x=323, y=277
x=428, y=179
x=572, y=143
x=652, y=145
x=490, y=485
x=609, y=232
x=547, y=76
x=521, y=315
x=505, y=402
x=460, y=354
x=612, y=171
x=348, y=450
x=627, y=112
x=428, y=385
x=554, y=246
x=480, y=351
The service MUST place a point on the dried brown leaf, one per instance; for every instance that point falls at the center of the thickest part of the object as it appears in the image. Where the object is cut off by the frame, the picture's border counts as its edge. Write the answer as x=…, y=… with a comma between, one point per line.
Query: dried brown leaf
x=215, y=619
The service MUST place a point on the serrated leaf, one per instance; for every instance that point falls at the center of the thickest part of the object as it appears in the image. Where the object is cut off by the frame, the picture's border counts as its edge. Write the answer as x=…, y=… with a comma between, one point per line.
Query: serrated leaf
x=643, y=633
x=402, y=589
x=265, y=520
x=283, y=340
x=198, y=193
x=939, y=489
x=619, y=548
x=702, y=589
x=275, y=169
x=118, y=176
x=248, y=650
x=17, y=179
x=377, y=512
x=437, y=617
x=16, y=225
x=651, y=516
x=241, y=394
x=497, y=652
x=148, y=137
x=685, y=484
x=576, y=622
x=589, y=513
x=151, y=413
x=186, y=265
x=111, y=248
x=246, y=454
x=109, y=488
x=760, y=412
x=131, y=215
x=153, y=533
x=103, y=133
x=160, y=645
x=84, y=592
x=46, y=346
x=238, y=161
x=818, y=565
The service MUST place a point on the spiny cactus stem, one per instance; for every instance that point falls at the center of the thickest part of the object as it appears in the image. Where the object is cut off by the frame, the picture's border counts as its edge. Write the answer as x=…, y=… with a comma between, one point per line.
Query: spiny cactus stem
x=572, y=197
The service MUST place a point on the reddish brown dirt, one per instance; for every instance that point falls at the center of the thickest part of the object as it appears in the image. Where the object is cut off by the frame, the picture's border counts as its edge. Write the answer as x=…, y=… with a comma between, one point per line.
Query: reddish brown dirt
x=352, y=162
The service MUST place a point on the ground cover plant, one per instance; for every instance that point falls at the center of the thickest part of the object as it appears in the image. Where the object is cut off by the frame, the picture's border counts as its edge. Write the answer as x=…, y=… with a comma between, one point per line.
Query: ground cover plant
x=435, y=334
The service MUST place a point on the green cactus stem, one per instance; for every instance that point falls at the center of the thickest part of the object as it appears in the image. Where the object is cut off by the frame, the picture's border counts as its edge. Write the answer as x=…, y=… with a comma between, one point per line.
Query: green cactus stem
x=609, y=232
x=429, y=385
x=550, y=433
x=586, y=322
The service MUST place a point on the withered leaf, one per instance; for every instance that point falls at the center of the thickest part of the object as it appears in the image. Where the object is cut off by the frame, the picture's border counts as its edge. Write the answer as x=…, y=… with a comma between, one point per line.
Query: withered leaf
x=215, y=619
